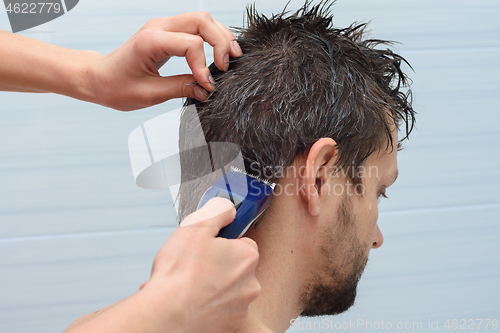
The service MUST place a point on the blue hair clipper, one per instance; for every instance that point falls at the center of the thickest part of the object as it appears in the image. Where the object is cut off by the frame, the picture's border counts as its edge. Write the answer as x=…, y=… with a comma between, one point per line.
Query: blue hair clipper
x=250, y=195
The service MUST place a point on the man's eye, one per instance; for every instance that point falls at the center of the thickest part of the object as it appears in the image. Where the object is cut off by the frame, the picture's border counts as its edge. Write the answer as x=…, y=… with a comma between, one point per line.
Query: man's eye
x=382, y=194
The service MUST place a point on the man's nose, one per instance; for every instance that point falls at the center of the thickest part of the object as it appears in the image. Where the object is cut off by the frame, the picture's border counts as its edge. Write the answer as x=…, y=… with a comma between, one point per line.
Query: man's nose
x=378, y=240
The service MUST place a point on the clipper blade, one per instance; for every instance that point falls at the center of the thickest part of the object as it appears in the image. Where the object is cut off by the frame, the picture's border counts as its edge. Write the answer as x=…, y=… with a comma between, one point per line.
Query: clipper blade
x=267, y=182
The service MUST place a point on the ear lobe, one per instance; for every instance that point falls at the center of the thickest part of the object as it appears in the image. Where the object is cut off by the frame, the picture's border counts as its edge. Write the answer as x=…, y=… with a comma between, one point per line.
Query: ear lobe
x=321, y=157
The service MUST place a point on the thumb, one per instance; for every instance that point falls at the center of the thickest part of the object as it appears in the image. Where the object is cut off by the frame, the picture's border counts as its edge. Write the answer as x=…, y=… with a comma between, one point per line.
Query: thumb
x=213, y=216
x=177, y=86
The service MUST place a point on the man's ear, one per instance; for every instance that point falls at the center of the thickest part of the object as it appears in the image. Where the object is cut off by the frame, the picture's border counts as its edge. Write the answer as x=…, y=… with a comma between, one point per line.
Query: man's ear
x=321, y=157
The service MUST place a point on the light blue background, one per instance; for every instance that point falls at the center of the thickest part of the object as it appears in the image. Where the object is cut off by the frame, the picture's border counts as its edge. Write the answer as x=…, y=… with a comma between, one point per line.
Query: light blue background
x=76, y=234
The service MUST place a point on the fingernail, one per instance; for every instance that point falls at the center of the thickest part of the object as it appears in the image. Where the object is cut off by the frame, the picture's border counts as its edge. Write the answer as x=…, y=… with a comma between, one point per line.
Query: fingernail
x=226, y=62
x=200, y=93
x=211, y=80
x=237, y=48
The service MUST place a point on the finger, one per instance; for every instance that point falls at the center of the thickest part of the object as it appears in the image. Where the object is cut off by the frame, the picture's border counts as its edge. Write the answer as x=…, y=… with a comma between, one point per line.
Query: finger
x=213, y=216
x=157, y=45
x=256, y=291
x=235, y=47
x=161, y=89
x=201, y=23
x=142, y=286
x=249, y=241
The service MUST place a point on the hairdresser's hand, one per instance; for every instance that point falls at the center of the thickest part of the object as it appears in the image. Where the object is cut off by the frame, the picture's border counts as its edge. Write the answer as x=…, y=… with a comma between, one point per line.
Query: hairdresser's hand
x=128, y=79
x=199, y=283
x=219, y=273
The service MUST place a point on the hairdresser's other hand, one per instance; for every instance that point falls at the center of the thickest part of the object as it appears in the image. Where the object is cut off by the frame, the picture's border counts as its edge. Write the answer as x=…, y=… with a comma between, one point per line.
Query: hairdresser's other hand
x=199, y=283
x=216, y=275
x=128, y=78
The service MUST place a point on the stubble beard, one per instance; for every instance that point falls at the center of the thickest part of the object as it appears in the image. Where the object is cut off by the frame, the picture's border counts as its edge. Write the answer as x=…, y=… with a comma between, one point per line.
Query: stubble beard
x=333, y=290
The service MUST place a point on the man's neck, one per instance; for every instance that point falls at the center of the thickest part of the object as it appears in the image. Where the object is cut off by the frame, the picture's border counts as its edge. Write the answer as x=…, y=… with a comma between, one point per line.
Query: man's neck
x=281, y=275
x=276, y=305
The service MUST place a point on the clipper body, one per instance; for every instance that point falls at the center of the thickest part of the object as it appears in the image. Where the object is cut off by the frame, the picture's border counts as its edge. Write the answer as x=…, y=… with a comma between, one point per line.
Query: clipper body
x=251, y=197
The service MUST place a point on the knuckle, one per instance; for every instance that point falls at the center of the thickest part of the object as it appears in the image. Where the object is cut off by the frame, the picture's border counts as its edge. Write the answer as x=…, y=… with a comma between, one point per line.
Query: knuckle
x=146, y=35
x=151, y=23
x=252, y=291
x=254, y=294
x=253, y=256
x=251, y=250
x=204, y=15
x=144, y=39
x=248, y=253
x=251, y=242
x=195, y=41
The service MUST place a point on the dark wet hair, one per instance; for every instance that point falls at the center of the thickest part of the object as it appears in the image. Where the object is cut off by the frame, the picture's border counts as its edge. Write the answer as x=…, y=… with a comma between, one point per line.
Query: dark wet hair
x=301, y=79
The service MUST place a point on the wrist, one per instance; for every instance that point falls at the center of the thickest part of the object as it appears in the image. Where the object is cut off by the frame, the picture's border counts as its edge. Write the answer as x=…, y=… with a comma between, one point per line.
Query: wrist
x=87, y=87
x=165, y=306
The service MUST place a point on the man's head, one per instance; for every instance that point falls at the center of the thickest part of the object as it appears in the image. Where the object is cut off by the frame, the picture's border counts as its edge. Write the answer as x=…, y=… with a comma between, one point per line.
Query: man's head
x=317, y=110
x=343, y=219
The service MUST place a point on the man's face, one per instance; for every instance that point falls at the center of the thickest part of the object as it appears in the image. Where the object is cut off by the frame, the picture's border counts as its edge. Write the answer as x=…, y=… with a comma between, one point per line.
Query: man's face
x=346, y=238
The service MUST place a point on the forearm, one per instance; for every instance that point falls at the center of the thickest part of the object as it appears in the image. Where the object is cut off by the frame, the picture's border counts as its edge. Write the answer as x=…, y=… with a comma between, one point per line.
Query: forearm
x=29, y=65
x=143, y=312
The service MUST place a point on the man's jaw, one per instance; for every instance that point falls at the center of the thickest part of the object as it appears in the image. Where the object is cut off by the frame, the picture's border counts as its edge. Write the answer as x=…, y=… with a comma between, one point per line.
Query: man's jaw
x=322, y=299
